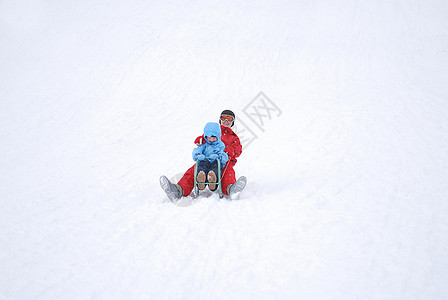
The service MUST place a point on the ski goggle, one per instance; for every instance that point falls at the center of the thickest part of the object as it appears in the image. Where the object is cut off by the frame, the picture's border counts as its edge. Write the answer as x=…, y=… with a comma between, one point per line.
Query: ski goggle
x=226, y=118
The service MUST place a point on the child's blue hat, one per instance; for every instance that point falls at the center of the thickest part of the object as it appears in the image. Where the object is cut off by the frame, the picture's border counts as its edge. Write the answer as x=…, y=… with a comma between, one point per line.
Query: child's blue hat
x=212, y=129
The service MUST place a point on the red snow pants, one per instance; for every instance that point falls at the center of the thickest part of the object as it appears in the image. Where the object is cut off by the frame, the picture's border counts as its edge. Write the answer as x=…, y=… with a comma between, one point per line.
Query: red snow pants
x=228, y=177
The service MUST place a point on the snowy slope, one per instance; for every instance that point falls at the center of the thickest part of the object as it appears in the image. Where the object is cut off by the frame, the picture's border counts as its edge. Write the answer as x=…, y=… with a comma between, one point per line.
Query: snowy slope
x=347, y=187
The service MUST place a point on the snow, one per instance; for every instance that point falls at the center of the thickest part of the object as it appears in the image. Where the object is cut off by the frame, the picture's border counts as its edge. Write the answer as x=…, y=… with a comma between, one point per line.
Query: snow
x=346, y=194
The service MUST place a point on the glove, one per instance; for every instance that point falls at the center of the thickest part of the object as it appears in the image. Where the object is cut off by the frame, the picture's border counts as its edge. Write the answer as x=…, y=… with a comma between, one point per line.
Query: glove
x=213, y=157
x=200, y=156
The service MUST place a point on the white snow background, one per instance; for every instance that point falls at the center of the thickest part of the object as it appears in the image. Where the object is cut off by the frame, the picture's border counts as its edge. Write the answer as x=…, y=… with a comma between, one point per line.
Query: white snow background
x=347, y=189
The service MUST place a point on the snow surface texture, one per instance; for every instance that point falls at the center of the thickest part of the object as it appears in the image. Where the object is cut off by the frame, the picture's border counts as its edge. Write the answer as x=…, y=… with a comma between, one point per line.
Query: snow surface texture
x=347, y=186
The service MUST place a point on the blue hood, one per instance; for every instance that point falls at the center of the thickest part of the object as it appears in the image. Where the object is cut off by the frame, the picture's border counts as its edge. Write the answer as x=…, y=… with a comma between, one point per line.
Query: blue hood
x=213, y=129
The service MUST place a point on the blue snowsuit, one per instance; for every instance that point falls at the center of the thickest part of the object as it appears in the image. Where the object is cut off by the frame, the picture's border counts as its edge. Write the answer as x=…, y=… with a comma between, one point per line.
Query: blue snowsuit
x=211, y=149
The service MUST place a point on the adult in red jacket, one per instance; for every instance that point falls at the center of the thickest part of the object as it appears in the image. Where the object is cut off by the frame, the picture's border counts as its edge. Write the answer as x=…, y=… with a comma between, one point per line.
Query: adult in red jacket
x=233, y=150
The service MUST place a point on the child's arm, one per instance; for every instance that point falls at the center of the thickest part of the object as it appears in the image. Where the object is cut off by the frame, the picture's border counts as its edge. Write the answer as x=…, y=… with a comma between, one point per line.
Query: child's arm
x=218, y=152
x=198, y=153
x=223, y=157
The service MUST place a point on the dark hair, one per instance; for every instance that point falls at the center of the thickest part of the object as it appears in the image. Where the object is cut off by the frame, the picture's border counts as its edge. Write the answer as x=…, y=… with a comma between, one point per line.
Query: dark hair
x=228, y=112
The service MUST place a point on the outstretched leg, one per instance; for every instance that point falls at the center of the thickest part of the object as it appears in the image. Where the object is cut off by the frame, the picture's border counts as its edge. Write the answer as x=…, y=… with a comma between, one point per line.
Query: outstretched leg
x=187, y=181
x=203, y=169
x=212, y=175
x=228, y=177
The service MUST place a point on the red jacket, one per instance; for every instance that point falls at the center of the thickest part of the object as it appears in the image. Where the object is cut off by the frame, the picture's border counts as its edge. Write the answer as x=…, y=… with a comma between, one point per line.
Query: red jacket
x=230, y=139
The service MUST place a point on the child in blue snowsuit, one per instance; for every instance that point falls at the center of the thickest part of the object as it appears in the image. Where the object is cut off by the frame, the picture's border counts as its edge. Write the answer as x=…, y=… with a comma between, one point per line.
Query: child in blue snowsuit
x=207, y=154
